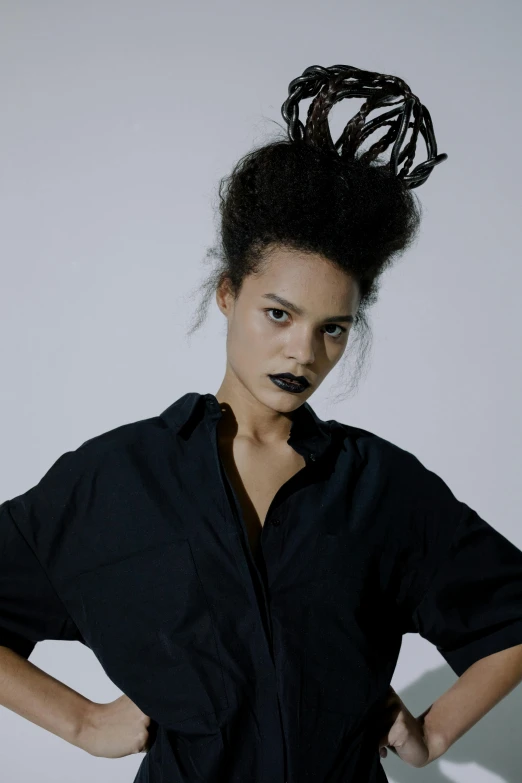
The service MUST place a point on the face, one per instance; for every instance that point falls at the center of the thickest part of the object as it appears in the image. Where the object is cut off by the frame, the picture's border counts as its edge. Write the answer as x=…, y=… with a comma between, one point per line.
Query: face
x=295, y=316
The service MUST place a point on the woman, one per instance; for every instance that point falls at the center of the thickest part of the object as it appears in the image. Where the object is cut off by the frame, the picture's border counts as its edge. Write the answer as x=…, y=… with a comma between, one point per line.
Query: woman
x=243, y=570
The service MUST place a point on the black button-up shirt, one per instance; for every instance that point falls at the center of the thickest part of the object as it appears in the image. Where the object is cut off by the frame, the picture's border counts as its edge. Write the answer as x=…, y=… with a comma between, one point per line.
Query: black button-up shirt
x=258, y=670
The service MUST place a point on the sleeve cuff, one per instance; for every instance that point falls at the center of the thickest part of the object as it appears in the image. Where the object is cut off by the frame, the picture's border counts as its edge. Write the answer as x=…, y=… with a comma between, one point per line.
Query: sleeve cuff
x=14, y=641
x=461, y=658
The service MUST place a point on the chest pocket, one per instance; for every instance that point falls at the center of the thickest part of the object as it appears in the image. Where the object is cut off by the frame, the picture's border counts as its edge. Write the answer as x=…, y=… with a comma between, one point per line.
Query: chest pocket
x=344, y=656
x=337, y=670
x=147, y=620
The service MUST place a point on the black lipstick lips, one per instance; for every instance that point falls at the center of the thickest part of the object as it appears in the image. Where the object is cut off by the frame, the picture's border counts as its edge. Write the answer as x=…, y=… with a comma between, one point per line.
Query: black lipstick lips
x=288, y=382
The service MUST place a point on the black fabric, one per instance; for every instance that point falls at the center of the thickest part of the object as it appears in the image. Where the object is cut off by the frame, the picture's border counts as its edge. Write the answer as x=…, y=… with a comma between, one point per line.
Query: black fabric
x=268, y=670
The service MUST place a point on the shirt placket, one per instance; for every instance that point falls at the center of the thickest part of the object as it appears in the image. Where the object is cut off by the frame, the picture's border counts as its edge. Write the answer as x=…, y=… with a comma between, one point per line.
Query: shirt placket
x=274, y=751
x=252, y=577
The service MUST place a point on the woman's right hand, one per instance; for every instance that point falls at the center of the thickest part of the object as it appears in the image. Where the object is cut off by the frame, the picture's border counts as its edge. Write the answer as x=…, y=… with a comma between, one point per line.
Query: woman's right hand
x=116, y=729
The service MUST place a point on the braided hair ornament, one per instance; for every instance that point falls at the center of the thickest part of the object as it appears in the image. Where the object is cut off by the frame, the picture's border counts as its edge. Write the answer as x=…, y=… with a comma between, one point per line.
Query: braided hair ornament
x=344, y=81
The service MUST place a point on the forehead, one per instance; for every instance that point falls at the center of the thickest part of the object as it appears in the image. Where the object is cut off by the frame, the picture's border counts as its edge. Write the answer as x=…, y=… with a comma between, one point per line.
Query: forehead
x=308, y=279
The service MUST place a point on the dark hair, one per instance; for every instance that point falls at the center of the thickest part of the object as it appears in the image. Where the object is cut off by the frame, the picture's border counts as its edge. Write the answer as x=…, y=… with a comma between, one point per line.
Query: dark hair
x=307, y=193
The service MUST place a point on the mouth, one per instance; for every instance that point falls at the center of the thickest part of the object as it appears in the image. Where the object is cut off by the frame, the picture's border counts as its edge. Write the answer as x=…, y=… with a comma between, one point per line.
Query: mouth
x=291, y=383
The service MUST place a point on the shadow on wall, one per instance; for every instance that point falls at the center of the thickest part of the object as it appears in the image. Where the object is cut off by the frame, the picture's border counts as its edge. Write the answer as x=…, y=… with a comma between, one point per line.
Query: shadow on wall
x=490, y=752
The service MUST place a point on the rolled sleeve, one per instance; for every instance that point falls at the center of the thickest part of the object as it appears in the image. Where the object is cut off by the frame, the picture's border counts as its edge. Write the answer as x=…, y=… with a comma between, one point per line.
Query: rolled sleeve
x=473, y=606
x=31, y=609
x=457, y=580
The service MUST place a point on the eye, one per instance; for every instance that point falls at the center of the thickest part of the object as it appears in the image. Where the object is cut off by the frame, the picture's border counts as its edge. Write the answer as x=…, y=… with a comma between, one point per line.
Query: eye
x=278, y=321
x=337, y=326
x=275, y=310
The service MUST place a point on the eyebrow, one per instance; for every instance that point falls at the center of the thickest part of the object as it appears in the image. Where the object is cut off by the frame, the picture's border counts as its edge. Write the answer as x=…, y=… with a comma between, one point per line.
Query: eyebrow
x=300, y=311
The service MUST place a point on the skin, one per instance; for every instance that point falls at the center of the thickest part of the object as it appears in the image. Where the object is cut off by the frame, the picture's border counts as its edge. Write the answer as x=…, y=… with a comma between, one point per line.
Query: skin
x=265, y=337
x=262, y=339
x=256, y=415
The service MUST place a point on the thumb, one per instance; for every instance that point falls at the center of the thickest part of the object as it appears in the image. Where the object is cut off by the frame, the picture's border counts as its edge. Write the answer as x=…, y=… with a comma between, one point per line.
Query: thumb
x=153, y=731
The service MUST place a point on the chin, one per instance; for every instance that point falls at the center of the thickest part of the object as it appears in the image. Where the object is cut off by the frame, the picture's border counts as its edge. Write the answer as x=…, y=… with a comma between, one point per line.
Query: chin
x=287, y=402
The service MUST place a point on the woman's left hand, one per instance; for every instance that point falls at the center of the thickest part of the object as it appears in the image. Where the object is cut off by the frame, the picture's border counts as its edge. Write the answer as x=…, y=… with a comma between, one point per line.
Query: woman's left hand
x=402, y=733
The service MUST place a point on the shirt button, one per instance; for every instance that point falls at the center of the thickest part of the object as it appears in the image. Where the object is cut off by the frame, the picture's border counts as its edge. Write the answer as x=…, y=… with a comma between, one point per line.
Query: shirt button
x=276, y=522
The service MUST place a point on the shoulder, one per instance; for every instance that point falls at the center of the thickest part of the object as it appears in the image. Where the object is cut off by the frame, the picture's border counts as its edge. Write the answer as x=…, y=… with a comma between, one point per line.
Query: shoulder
x=392, y=467
x=143, y=433
x=419, y=508
x=372, y=448
x=104, y=456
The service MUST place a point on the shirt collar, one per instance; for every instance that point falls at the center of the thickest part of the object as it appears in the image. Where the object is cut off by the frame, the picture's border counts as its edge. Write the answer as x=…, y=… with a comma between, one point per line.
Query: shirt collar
x=307, y=430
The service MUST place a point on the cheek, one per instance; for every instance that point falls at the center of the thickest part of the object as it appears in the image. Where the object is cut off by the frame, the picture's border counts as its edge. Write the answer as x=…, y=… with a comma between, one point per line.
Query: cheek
x=249, y=339
x=258, y=334
x=334, y=353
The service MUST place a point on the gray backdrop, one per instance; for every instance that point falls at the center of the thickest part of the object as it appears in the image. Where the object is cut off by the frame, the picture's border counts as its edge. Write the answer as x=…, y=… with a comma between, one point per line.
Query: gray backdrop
x=117, y=120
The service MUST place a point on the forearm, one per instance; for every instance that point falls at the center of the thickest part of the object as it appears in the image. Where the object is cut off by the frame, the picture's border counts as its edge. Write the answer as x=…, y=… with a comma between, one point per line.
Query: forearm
x=40, y=698
x=476, y=692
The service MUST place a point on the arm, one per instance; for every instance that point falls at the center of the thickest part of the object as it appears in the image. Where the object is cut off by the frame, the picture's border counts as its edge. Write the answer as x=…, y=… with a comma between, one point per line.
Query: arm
x=419, y=741
x=477, y=691
x=31, y=611
x=457, y=581
x=40, y=698
x=111, y=730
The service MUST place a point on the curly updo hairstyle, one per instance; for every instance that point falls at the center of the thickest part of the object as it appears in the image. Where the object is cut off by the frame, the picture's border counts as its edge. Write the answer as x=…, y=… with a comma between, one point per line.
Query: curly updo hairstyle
x=307, y=193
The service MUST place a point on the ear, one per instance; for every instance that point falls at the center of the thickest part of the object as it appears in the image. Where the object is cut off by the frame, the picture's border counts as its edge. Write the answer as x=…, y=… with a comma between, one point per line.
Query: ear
x=224, y=297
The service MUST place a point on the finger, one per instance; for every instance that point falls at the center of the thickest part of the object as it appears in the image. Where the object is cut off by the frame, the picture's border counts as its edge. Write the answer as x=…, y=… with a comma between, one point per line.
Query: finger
x=392, y=698
x=153, y=730
x=383, y=741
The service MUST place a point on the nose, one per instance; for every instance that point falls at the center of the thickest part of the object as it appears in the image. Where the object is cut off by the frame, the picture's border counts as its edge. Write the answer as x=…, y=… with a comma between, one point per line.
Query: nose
x=301, y=347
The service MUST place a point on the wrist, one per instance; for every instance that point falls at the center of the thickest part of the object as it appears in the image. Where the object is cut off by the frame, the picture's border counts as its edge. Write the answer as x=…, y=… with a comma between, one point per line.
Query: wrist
x=434, y=740
x=84, y=723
